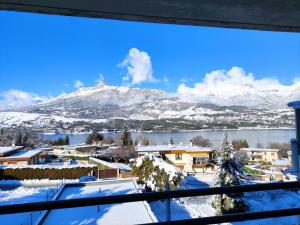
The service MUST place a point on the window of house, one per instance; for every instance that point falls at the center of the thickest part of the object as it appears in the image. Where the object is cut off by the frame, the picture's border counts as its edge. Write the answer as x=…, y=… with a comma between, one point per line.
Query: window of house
x=200, y=160
x=178, y=156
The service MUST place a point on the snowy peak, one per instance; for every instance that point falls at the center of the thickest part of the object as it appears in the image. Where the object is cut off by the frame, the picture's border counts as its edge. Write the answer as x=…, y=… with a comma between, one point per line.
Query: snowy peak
x=116, y=95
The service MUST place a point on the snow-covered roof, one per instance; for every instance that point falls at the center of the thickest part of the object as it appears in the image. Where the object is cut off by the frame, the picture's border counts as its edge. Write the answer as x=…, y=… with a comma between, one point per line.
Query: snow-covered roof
x=121, y=166
x=259, y=149
x=25, y=154
x=113, y=214
x=8, y=149
x=74, y=147
x=158, y=148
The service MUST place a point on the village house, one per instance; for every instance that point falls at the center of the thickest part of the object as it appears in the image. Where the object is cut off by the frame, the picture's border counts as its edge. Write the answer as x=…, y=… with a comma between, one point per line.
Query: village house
x=17, y=156
x=187, y=157
x=261, y=154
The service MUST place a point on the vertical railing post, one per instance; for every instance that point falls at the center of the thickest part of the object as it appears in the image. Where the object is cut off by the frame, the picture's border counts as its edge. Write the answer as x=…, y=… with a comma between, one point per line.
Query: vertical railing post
x=168, y=204
x=295, y=143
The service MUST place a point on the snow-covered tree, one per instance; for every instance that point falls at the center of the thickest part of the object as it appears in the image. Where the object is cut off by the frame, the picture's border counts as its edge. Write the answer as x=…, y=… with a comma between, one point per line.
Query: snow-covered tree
x=229, y=175
x=155, y=173
x=19, y=136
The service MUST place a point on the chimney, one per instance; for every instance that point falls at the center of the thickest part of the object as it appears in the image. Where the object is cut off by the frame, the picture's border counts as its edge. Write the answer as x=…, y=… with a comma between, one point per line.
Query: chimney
x=295, y=142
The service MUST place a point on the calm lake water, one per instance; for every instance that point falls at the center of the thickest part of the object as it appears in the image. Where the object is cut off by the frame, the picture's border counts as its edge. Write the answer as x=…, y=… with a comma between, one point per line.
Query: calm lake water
x=253, y=136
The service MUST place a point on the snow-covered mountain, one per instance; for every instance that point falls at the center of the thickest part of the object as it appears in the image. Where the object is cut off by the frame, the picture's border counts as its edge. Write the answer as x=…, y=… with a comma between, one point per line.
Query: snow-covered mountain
x=107, y=106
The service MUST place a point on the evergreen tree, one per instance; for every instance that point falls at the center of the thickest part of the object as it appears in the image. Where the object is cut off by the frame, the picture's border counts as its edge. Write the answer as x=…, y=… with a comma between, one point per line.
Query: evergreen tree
x=171, y=141
x=154, y=177
x=60, y=141
x=67, y=140
x=229, y=175
x=126, y=137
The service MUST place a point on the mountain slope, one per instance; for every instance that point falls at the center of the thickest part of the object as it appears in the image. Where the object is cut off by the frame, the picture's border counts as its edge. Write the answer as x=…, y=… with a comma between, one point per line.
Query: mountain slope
x=105, y=106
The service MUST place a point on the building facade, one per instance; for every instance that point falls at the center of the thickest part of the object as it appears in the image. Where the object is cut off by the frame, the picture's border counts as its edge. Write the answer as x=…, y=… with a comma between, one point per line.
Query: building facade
x=189, y=158
x=261, y=154
x=16, y=156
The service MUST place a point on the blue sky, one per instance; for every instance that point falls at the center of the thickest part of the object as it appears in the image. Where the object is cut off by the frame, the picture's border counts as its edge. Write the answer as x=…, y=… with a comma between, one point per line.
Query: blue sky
x=46, y=54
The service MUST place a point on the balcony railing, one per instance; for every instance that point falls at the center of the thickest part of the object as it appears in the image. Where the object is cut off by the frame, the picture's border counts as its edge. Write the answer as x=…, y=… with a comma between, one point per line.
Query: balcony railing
x=152, y=196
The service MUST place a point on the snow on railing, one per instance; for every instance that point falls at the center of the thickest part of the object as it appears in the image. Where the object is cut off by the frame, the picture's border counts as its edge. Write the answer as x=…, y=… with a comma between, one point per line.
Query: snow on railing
x=41, y=166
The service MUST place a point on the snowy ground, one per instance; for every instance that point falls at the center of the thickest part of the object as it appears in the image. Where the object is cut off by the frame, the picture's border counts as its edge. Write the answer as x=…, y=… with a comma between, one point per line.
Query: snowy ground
x=23, y=195
x=187, y=208
x=258, y=201
x=199, y=206
x=126, y=213
x=271, y=200
x=137, y=212
x=9, y=184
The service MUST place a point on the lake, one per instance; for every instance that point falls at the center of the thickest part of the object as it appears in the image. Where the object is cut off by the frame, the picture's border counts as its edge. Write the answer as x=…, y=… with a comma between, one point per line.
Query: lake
x=253, y=136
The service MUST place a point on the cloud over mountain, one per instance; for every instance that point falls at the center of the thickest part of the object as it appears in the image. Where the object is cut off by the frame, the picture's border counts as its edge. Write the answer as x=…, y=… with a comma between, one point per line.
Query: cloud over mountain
x=16, y=98
x=139, y=67
x=236, y=87
x=78, y=84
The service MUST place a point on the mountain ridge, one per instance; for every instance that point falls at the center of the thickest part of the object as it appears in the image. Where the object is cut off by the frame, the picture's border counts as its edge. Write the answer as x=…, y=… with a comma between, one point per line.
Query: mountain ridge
x=108, y=106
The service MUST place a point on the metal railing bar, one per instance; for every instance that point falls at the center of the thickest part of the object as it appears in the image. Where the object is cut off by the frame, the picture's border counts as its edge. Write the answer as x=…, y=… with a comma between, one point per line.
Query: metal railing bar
x=151, y=196
x=234, y=217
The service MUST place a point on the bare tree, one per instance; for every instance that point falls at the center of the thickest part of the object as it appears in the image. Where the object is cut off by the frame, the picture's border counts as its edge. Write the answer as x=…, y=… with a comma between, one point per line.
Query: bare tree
x=142, y=140
x=19, y=136
x=119, y=154
x=108, y=140
x=283, y=147
x=201, y=141
x=240, y=143
x=118, y=140
x=241, y=157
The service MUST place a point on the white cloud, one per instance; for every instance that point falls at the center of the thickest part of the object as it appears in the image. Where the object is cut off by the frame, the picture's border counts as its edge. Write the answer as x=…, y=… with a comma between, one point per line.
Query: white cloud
x=139, y=67
x=186, y=80
x=236, y=87
x=17, y=98
x=166, y=80
x=78, y=84
x=100, y=79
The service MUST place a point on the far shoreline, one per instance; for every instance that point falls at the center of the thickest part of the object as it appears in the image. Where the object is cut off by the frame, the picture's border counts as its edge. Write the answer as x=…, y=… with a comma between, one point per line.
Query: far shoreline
x=178, y=131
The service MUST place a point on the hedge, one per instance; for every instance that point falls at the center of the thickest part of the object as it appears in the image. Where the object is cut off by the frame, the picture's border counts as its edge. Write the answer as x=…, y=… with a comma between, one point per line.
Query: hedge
x=45, y=173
